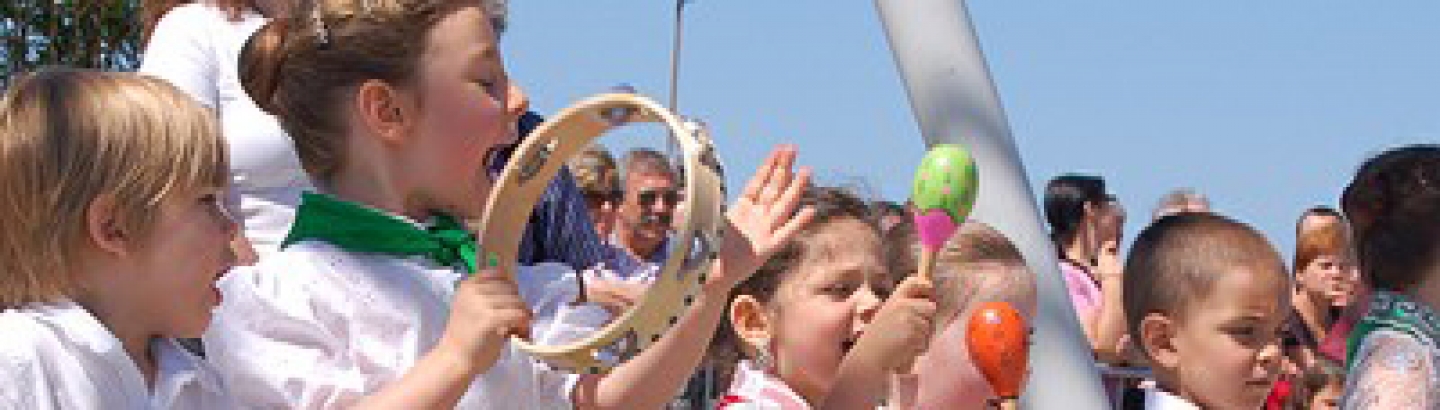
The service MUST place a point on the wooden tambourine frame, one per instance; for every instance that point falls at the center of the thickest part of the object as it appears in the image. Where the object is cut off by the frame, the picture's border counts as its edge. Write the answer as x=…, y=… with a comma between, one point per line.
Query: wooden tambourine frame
x=693, y=246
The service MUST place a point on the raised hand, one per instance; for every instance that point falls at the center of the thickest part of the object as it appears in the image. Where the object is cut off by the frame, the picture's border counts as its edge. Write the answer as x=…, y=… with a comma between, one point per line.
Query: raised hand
x=762, y=219
x=1108, y=261
x=901, y=330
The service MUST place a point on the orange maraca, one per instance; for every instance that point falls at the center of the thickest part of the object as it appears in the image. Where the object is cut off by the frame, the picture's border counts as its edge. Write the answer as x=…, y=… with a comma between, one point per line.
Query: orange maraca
x=996, y=336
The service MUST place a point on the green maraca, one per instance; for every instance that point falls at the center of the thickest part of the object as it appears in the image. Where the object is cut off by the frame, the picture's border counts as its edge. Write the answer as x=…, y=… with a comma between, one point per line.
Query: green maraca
x=944, y=193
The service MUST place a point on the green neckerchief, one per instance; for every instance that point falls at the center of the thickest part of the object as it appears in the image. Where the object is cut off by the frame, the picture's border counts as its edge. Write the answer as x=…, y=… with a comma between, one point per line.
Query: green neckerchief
x=1395, y=312
x=357, y=228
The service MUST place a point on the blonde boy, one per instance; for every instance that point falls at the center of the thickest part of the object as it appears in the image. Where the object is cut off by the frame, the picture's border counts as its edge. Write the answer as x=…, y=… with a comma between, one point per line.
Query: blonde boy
x=1205, y=299
x=113, y=238
x=978, y=265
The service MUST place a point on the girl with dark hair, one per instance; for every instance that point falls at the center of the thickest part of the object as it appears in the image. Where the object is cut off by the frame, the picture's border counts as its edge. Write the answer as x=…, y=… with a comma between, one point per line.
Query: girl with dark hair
x=1077, y=208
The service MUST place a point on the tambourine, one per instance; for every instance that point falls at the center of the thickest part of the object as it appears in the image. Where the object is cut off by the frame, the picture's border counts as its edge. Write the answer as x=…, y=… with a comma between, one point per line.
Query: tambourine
x=692, y=247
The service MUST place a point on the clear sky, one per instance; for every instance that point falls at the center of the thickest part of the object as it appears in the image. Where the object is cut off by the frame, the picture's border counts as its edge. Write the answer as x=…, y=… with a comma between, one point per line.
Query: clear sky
x=1267, y=107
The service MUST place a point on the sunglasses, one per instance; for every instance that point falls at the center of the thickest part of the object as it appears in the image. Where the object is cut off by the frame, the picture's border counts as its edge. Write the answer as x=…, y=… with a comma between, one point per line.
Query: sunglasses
x=649, y=196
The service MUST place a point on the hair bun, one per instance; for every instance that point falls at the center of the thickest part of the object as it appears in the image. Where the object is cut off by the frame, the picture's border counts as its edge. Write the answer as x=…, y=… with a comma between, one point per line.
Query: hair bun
x=260, y=62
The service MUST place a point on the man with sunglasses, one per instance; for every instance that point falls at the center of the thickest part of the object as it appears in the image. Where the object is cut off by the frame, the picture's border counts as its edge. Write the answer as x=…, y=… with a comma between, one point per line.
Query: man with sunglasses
x=647, y=209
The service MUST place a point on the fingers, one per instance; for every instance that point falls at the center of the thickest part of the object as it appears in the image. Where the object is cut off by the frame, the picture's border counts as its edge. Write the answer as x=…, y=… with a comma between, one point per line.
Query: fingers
x=498, y=299
x=916, y=287
x=779, y=180
x=762, y=175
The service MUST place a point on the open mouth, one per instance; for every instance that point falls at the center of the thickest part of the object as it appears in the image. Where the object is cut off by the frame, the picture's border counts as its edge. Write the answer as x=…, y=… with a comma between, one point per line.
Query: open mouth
x=497, y=157
x=849, y=343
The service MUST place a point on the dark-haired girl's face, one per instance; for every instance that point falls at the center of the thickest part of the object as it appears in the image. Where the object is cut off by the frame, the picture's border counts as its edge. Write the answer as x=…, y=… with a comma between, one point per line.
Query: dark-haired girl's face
x=467, y=109
x=823, y=304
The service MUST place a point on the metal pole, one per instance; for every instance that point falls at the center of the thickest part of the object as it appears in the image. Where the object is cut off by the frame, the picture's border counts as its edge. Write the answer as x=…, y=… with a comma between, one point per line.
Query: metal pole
x=955, y=102
x=670, y=147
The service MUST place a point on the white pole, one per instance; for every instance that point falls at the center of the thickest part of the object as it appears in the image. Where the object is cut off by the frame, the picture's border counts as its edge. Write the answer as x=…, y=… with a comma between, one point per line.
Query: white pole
x=955, y=102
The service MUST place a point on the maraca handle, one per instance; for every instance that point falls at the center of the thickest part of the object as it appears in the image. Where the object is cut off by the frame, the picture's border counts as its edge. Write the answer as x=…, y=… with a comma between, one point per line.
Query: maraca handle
x=926, y=269
x=1007, y=403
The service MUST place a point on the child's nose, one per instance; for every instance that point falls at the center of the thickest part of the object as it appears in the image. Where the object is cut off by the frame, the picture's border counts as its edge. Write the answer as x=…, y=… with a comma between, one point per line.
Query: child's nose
x=868, y=304
x=516, y=101
x=1270, y=355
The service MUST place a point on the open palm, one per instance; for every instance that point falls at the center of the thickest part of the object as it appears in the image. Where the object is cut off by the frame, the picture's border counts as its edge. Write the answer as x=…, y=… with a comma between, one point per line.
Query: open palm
x=763, y=218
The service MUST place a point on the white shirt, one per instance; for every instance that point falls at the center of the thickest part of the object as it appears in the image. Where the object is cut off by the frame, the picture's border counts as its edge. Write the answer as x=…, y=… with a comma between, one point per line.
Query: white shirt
x=753, y=388
x=59, y=356
x=1162, y=400
x=314, y=326
x=196, y=47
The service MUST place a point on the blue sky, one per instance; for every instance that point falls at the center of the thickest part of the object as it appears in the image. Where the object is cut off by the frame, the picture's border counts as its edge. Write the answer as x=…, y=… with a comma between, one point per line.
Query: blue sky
x=1267, y=107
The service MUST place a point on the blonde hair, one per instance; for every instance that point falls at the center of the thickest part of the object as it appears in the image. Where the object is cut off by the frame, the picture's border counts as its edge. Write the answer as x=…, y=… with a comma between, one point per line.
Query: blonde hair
x=299, y=68
x=963, y=268
x=68, y=138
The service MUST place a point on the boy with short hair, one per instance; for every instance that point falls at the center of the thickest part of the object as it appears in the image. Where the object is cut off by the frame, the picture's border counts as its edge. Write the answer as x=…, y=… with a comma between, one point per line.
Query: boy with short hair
x=1205, y=298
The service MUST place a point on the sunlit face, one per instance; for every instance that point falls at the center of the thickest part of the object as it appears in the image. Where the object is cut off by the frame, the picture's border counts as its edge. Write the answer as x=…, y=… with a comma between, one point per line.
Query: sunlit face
x=946, y=375
x=1226, y=348
x=467, y=108
x=186, y=252
x=1330, y=277
x=822, y=306
x=649, y=204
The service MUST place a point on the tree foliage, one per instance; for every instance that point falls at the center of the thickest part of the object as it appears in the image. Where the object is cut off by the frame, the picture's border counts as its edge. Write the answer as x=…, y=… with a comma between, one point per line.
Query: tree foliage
x=101, y=34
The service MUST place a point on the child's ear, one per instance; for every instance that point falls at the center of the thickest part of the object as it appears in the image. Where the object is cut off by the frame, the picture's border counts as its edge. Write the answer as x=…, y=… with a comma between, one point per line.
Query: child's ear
x=104, y=227
x=1157, y=338
x=385, y=110
x=747, y=316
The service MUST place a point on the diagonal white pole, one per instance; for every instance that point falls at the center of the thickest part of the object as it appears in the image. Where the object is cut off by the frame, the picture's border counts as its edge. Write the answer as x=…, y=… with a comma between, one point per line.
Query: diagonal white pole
x=955, y=102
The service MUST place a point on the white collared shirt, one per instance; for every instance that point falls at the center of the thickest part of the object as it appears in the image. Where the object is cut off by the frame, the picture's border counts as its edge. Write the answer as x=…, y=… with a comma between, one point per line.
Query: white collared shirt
x=314, y=326
x=1156, y=398
x=753, y=388
x=59, y=356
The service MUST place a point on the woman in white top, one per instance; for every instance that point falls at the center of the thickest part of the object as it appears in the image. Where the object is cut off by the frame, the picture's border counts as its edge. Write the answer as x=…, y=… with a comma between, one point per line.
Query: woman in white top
x=196, y=46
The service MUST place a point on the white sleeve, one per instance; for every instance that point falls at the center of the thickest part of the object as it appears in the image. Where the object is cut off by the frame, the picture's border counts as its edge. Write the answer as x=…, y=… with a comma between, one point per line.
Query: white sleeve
x=23, y=382
x=182, y=48
x=1392, y=371
x=278, y=341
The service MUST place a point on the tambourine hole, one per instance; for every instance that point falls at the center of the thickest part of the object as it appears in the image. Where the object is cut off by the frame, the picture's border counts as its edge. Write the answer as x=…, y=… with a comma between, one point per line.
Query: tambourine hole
x=701, y=249
x=689, y=300
x=617, y=115
x=674, y=320
x=532, y=165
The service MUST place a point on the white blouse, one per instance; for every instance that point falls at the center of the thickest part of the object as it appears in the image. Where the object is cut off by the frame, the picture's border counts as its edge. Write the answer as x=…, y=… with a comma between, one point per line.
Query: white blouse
x=1156, y=399
x=315, y=327
x=59, y=356
x=196, y=47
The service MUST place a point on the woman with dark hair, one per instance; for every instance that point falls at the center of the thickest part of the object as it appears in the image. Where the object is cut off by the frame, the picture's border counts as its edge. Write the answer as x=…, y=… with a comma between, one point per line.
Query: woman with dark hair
x=1393, y=352
x=1076, y=208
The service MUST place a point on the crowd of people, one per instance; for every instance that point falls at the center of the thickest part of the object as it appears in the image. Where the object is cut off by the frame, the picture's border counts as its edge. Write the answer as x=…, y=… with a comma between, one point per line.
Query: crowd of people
x=1207, y=306
x=273, y=214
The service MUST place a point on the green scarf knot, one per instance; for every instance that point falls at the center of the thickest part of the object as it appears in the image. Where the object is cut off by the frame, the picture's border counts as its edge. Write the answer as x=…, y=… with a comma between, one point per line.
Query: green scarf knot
x=357, y=228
